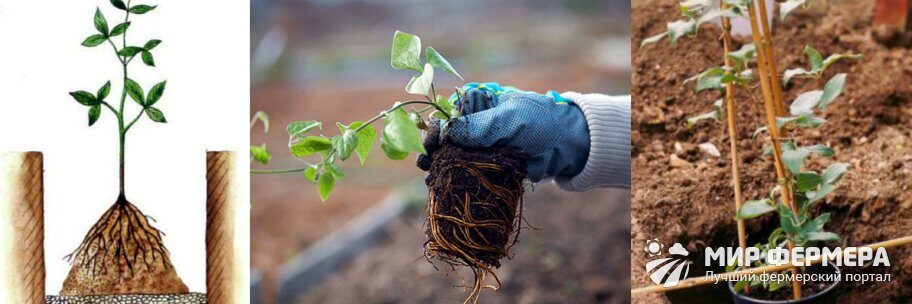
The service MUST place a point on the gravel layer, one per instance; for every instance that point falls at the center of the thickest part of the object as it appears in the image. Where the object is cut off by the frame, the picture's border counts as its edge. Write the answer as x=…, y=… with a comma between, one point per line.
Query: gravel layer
x=190, y=298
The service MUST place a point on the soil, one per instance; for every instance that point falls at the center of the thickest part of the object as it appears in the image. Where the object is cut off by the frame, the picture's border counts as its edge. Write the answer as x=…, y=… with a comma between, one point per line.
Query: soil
x=122, y=254
x=682, y=194
x=577, y=253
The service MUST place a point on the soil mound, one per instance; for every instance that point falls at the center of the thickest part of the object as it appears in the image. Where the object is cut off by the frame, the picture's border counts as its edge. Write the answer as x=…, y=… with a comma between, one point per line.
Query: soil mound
x=122, y=254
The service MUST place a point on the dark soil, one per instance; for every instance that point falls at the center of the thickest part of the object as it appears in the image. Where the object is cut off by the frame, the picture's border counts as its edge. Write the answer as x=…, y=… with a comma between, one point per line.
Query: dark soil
x=578, y=254
x=475, y=202
x=681, y=194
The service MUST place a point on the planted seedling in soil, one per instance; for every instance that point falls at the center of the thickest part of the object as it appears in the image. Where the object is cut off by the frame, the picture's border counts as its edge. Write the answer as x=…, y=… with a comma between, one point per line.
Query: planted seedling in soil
x=796, y=190
x=475, y=195
x=122, y=253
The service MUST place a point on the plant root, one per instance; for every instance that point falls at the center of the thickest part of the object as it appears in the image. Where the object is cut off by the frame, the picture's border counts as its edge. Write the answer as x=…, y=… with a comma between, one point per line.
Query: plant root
x=123, y=238
x=474, y=212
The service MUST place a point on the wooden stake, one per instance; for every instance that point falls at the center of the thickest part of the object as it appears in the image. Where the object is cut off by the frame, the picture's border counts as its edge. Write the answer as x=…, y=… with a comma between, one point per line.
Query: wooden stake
x=22, y=271
x=768, y=102
x=732, y=129
x=225, y=249
x=767, y=49
x=693, y=282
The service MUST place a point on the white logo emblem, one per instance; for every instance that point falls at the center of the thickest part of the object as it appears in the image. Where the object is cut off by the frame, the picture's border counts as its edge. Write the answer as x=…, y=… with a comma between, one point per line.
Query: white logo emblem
x=667, y=271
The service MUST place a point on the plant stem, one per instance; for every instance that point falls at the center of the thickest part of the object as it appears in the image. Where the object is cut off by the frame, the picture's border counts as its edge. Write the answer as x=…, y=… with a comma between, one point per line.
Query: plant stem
x=120, y=115
x=367, y=123
x=733, y=131
x=773, y=130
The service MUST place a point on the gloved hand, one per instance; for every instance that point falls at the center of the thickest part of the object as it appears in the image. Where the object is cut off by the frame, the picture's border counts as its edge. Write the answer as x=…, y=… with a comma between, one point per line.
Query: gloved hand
x=552, y=130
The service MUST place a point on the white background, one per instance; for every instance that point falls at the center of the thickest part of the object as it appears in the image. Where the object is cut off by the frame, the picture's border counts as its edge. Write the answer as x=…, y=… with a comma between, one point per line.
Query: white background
x=204, y=56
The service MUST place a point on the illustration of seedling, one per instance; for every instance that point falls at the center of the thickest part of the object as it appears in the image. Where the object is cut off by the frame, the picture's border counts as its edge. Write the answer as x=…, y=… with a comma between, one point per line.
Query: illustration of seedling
x=797, y=190
x=122, y=252
x=475, y=197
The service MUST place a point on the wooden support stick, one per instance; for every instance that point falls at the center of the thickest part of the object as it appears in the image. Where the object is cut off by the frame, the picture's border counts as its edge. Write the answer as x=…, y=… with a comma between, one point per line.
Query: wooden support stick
x=226, y=267
x=772, y=127
x=22, y=270
x=767, y=49
x=692, y=282
x=732, y=128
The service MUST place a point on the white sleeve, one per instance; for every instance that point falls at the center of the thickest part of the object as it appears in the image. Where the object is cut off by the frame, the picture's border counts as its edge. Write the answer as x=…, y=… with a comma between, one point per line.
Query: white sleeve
x=608, y=164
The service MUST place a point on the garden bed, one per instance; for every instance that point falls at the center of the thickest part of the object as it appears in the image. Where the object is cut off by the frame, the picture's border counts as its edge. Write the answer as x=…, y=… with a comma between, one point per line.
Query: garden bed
x=682, y=194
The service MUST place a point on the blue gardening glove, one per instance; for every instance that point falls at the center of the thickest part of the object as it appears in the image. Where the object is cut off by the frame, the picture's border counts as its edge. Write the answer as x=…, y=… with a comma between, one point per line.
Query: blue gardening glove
x=550, y=128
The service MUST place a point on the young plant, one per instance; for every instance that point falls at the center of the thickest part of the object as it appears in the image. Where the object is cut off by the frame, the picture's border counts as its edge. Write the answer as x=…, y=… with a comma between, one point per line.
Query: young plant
x=122, y=244
x=400, y=136
x=797, y=190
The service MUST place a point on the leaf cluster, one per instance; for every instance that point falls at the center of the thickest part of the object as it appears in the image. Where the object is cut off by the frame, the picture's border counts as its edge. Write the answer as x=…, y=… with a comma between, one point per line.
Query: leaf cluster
x=401, y=134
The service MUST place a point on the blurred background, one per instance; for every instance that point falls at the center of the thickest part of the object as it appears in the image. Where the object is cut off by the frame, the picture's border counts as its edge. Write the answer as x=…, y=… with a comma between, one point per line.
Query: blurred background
x=328, y=60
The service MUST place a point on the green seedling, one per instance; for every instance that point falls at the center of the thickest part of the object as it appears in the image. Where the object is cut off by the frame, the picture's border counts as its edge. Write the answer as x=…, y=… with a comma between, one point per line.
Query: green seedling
x=401, y=134
x=797, y=189
x=125, y=54
x=122, y=252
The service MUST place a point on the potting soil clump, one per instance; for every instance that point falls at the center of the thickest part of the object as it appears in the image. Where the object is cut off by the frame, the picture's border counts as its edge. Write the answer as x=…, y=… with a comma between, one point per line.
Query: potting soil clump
x=122, y=254
x=474, y=205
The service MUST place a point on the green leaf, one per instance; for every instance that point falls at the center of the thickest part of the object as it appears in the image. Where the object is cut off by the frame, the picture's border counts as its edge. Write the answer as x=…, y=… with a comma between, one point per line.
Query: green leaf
x=788, y=6
x=94, y=40
x=100, y=23
x=103, y=91
x=135, y=91
x=147, y=58
x=346, y=143
x=786, y=219
x=803, y=121
x=299, y=128
x=831, y=90
x=260, y=154
x=310, y=145
x=334, y=170
x=85, y=98
x=156, y=92
x=129, y=51
x=711, y=78
x=744, y=54
x=680, y=28
x=392, y=153
x=789, y=74
x=755, y=208
x=325, y=185
x=120, y=29
x=311, y=173
x=445, y=104
x=823, y=236
x=807, y=181
x=805, y=102
x=142, y=9
x=814, y=58
x=260, y=116
x=94, y=113
x=155, y=115
x=834, y=172
x=401, y=134
x=421, y=84
x=151, y=44
x=715, y=114
x=794, y=158
x=406, y=52
x=836, y=57
x=366, y=138
x=436, y=60
x=653, y=39
x=119, y=4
